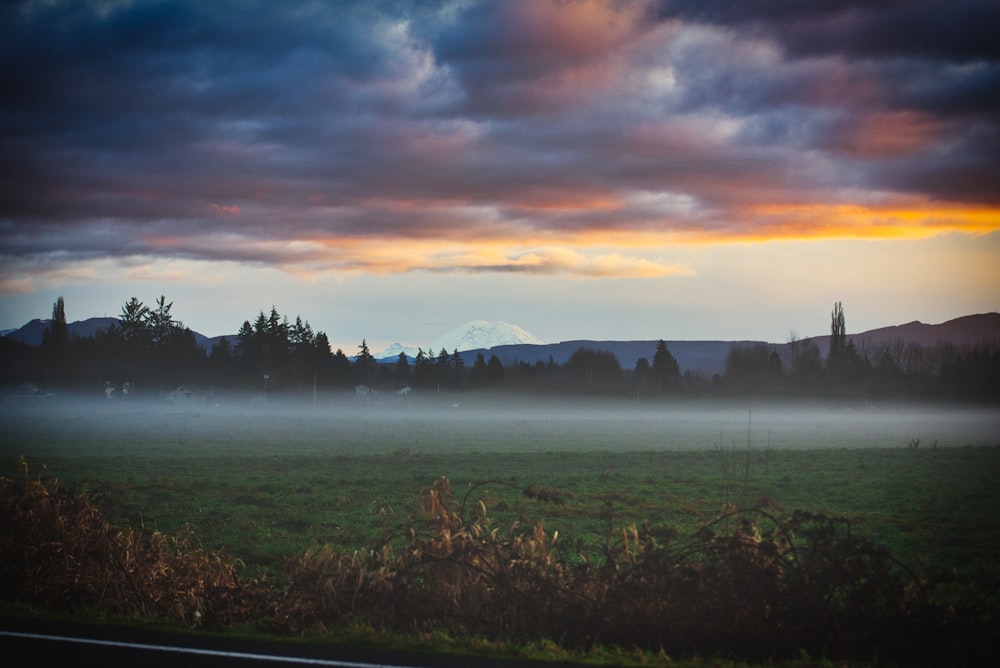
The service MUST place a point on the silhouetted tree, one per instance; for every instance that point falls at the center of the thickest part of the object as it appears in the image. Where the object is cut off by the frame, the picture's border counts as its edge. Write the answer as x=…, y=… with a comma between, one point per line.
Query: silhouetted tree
x=222, y=363
x=401, y=373
x=805, y=364
x=838, y=330
x=666, y=372
x=844, y=366
x=457, y=371
x=135, y=341
x=595, y=372
x=477, y=376
x=180, y=358
x=644, y=383
x=365, y=365
x=494, y=372
x=55, y=346
x=753, y=369
x=423, y=369
x=159, y=322
x=340, y=370
x=133, y=324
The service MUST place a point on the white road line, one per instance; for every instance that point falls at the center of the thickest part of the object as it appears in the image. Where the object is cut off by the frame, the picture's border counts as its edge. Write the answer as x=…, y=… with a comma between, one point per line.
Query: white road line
x=202, y=652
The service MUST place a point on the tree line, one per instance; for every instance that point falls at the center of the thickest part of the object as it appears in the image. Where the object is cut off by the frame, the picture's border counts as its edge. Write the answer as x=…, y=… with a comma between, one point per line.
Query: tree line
x=153, y=352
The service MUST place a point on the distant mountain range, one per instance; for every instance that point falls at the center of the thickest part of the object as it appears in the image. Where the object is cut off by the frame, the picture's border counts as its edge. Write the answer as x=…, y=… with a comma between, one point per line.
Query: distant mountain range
x=512, y=344
x=473, y=335
x=709, y=357
x=32, y=332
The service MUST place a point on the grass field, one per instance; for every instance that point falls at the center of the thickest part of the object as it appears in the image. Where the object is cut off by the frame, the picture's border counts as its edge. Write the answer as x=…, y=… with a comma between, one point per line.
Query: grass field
x=333, y=519
x=265, y=482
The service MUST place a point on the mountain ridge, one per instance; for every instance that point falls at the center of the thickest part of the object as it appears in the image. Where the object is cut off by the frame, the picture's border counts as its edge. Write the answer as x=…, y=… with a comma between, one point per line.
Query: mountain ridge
x=704, y=356
x=708, y=357
x=472, y=335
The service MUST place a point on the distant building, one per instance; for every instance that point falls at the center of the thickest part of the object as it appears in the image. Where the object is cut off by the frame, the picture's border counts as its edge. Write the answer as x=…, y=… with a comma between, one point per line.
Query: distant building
x=186, y=394
x=31, y=391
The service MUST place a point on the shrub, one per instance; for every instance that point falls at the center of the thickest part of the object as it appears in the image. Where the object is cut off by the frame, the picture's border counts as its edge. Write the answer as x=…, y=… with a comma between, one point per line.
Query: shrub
x=748, y=585
x=57, y=551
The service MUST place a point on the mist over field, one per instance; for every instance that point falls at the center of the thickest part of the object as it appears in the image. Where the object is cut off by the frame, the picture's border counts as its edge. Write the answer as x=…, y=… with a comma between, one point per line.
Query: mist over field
x=294, y=496
x=355, y=427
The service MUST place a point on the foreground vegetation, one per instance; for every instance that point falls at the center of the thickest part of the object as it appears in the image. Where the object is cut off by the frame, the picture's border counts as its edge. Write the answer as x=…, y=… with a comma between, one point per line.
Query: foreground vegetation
x=685, y=553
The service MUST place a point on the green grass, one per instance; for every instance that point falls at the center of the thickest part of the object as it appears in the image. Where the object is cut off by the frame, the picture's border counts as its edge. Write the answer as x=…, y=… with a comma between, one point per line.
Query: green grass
x=264, y=484
x=936, y=505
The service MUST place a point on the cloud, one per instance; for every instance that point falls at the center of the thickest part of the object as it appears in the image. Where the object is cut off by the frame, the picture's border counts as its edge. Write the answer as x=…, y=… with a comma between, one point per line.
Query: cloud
x=333, y=136
x=558, y=260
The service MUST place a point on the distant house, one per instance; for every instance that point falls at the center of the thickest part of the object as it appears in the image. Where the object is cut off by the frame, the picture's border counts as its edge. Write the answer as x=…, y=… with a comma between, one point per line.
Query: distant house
x=31, y=391
x=186, y=394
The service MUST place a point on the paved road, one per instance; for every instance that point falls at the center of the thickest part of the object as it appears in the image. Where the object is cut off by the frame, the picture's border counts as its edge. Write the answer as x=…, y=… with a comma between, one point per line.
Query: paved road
x=43, y=644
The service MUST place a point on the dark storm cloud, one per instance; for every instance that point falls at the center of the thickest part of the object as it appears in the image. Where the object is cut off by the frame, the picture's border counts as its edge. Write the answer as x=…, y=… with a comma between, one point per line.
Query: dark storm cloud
x=951, y=31
x=230, y=129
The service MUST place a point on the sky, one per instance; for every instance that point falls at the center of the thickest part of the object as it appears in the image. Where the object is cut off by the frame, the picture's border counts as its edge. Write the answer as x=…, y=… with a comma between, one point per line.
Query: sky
x=387, y=170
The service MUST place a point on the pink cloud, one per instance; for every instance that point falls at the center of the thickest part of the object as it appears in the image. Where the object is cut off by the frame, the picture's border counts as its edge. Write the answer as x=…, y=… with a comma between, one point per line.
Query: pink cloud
x=221, y=210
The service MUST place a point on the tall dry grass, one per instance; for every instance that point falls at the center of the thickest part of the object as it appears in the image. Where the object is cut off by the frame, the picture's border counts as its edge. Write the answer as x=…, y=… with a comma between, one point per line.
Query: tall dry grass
x=750, y=585
x=58, y=552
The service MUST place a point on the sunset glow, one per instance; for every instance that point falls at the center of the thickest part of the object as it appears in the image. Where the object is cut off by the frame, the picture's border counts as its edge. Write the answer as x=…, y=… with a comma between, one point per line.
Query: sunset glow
x=583, y=169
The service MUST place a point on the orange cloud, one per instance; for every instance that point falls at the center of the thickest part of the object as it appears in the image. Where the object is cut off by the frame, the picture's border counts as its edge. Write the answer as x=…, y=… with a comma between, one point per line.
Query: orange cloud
x=819, y=221
x=392, y=256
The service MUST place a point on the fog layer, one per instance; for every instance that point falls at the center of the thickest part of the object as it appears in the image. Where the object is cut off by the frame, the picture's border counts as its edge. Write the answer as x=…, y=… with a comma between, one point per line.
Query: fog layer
x=353, y=426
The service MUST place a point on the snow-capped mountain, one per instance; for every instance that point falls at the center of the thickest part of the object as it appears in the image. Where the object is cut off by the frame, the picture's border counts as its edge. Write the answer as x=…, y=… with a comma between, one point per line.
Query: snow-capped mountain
x=473, y=335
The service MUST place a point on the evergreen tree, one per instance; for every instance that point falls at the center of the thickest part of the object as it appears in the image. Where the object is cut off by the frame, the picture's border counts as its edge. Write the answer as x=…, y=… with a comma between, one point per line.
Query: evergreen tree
x=666, y=372
x=494, y=372
x=160, y=323
x=595, y=372
x=341, y=370
x=221, y=363
x=133, y=320
x=477, y=377
x=643, y=377
x=321, y=347
x=423, y=369
x=457, y=371
x=365, y=365
x=402, y=371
